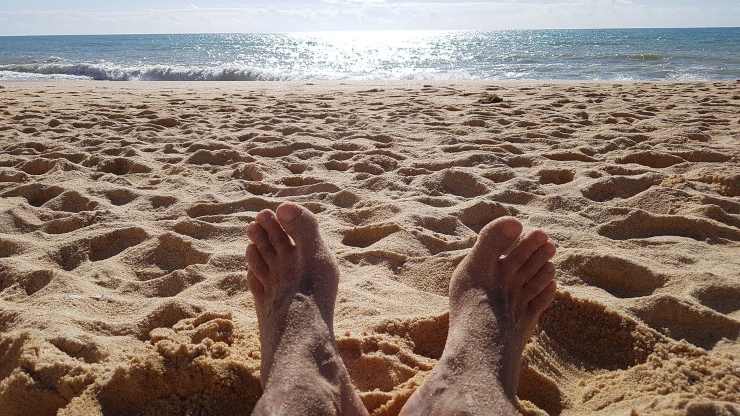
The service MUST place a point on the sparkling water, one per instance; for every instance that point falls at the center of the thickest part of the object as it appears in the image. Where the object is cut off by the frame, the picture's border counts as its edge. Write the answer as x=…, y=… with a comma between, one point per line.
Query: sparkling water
x=619, y=54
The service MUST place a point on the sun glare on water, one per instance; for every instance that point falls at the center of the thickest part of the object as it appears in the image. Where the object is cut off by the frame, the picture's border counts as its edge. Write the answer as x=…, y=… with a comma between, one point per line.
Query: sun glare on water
x=395, y=53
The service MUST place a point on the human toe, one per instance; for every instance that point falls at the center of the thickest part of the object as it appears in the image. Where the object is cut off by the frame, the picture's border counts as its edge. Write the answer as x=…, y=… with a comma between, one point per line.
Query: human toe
x=495, y=239
x=260, y=239
x=298, y=222
x=538, y=283
x=256, y=264
x=540, y=302
x=536, y=261
x=275, y=233
x=523, y=250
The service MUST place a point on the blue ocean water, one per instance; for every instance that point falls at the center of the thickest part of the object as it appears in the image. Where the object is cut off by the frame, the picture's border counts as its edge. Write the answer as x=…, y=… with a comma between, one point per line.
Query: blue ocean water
x=618, y=54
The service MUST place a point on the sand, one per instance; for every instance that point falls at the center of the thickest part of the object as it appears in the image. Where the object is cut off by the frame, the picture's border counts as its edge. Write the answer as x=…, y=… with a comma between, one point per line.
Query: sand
x=123, y=207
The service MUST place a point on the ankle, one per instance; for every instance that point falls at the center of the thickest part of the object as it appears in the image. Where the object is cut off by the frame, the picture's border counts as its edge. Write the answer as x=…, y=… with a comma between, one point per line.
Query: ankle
x=316, y=376
x=498, y=362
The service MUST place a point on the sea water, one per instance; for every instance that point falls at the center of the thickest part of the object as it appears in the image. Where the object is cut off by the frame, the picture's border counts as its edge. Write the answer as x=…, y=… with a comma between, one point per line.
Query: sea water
x=615, y=54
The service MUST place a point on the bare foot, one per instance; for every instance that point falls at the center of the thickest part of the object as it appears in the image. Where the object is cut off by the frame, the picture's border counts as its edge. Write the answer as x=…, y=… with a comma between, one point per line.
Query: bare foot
x=293, y=277
x=497, y=294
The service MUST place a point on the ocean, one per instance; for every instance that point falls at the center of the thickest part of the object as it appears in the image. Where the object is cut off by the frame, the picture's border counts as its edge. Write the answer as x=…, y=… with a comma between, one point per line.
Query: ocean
x=615, y=54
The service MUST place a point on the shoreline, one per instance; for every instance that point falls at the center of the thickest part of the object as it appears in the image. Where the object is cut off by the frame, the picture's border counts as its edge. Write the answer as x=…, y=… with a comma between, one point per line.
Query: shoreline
x=349, y=83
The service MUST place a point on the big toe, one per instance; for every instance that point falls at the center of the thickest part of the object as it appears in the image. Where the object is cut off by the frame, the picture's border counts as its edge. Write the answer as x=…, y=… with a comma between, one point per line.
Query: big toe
x=496, y=238
x=299, y=223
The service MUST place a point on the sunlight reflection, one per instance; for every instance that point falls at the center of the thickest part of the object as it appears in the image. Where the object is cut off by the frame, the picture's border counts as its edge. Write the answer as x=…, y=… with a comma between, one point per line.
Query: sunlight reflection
x=395, y=53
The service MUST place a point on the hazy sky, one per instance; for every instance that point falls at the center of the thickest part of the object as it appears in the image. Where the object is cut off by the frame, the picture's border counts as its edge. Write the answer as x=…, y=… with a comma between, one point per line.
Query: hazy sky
x=20, y=17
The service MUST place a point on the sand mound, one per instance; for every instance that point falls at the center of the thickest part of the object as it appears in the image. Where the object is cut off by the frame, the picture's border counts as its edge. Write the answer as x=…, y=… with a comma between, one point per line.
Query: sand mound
x=122, y=210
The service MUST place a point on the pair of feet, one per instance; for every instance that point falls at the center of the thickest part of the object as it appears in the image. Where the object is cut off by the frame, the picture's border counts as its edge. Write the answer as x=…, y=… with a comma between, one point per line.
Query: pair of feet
x=497, y=294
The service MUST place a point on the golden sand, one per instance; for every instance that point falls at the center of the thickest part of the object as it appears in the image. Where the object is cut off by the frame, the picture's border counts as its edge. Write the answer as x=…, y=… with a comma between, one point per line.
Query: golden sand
x=123, y=206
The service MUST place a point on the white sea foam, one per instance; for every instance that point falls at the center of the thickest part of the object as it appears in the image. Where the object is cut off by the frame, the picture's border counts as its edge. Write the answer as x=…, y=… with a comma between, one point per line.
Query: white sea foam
x=25, y=76
x=108, y=72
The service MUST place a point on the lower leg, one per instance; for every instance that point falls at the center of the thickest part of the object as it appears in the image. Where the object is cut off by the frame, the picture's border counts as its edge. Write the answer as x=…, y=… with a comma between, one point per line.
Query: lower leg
x=307, y=376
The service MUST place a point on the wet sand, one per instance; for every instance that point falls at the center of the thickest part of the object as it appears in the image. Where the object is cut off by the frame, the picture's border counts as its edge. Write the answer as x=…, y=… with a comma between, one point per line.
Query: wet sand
x=123, y=207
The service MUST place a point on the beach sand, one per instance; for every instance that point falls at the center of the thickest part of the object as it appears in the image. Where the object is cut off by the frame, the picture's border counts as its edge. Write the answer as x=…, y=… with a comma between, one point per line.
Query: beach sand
x=123, y=207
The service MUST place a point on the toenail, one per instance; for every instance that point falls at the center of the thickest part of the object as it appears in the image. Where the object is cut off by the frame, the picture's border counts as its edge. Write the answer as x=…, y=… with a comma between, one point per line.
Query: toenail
x=509, y=231
x=539, y=235
x=550, y=249
x=288, y=213
x=264, y=215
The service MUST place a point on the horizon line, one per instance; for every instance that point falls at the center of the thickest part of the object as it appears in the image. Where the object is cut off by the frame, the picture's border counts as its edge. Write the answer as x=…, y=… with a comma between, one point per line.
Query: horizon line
x=367, y=30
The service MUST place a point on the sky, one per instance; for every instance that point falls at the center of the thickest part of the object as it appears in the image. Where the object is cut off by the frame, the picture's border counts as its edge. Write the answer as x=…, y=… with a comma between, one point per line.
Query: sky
x=41, y=17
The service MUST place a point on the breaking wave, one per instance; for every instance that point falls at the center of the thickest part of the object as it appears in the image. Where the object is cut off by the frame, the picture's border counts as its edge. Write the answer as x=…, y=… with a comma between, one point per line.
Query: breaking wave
x=104, y=72
x=109, y=72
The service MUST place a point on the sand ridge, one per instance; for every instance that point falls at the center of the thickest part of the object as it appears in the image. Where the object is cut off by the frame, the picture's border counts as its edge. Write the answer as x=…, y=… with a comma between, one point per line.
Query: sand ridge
x=123, y=206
